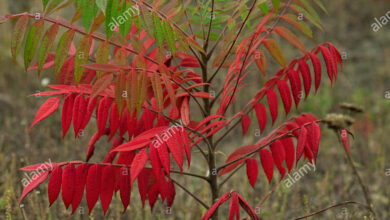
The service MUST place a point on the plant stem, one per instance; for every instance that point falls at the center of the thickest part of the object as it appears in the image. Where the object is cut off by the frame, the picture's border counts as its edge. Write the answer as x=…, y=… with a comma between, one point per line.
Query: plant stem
x=331, y=207
x=360, y=181
x=191, y=194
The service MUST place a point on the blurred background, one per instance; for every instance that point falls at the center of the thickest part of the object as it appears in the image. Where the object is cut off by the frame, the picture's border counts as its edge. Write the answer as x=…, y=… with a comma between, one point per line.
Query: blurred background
x=363, y=82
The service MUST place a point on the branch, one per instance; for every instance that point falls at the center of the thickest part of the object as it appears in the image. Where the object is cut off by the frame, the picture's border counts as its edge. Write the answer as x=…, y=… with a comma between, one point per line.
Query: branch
x=186, y=127
x=191, y=194
x=210, y=24
x=287, y=134
x=230, y=175
x=234, y=41
x=249, y=49
x=331, y=207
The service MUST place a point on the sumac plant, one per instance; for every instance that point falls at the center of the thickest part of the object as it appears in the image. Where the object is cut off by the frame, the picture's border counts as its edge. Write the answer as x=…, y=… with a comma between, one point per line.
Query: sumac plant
x=146, y=72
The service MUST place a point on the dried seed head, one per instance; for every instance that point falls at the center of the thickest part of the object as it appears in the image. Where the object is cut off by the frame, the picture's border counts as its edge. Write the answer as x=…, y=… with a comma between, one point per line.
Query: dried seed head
x=337, y=121
x=352, y=107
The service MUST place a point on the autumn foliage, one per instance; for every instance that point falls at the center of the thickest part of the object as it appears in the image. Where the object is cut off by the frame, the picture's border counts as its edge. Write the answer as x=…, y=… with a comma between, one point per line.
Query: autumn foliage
x=145, y=85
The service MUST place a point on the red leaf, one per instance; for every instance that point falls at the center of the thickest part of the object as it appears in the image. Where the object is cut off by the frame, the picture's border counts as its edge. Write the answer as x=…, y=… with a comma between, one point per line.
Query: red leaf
x=79, y=110
x=317, y=69
x=138, y=164
x=215, y=206
x=67, y=111
x=238, y=153
x=164, y=157
x=252, y=171
x=125, y=186
x=102, y=114
x=305, y=71
x=114, y=120
x=245, y=122
x=153, y=194
x=335, y=53
x=272, y=99
x=345, y=140
x=301, y=142
x=278, y=155
x=185, y=111
x=35, y=181
x=81, y=178
x=107, y=186
x=175, y=148
x=170, y=193
x=155, y=161
x=68, y=184
x=289, y=149
x=132, y=145
x=329, y=62
x=296, y=86
x=244, y=204
x=93, y=185
x=101, y=84
x=234, y=208
x=54, y=186
x=285, y=94
x=187, y=145
x=143, y=184
x=90, y=107
x=267, y=163
x=46, y=110
x=261, y=115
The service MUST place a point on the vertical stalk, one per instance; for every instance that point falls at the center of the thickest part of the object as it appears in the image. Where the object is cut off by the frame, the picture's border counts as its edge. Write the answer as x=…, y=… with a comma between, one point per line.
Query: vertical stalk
x=212, y=179
x=360, y=181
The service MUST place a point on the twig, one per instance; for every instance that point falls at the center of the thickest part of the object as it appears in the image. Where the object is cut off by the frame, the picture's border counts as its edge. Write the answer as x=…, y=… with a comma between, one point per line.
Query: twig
x=191, y=194
x=230, y=175
x=234, y=41
x=287, y=134
x=331, y=207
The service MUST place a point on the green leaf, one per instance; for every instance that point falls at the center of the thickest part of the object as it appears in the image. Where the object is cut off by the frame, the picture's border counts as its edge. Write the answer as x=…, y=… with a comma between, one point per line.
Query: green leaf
x=53, y=4
x=81, y=57
x=32, y=41
x=46, y=45
x=169, y=37
x=310, y=9
x=44, y=2
x=88, y=13
x=276, y=4
x=18, y=35
x=308, y=16
x=299, y=25
x=102, y=55
x=319, y=3
x=158, y=30
x=101, y=5
x=127, y=13
x=264, y=8
x=107, y=23
x=62, y=51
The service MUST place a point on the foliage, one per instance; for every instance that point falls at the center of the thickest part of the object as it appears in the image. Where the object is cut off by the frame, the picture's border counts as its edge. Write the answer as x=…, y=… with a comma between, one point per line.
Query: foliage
x=145, y=74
